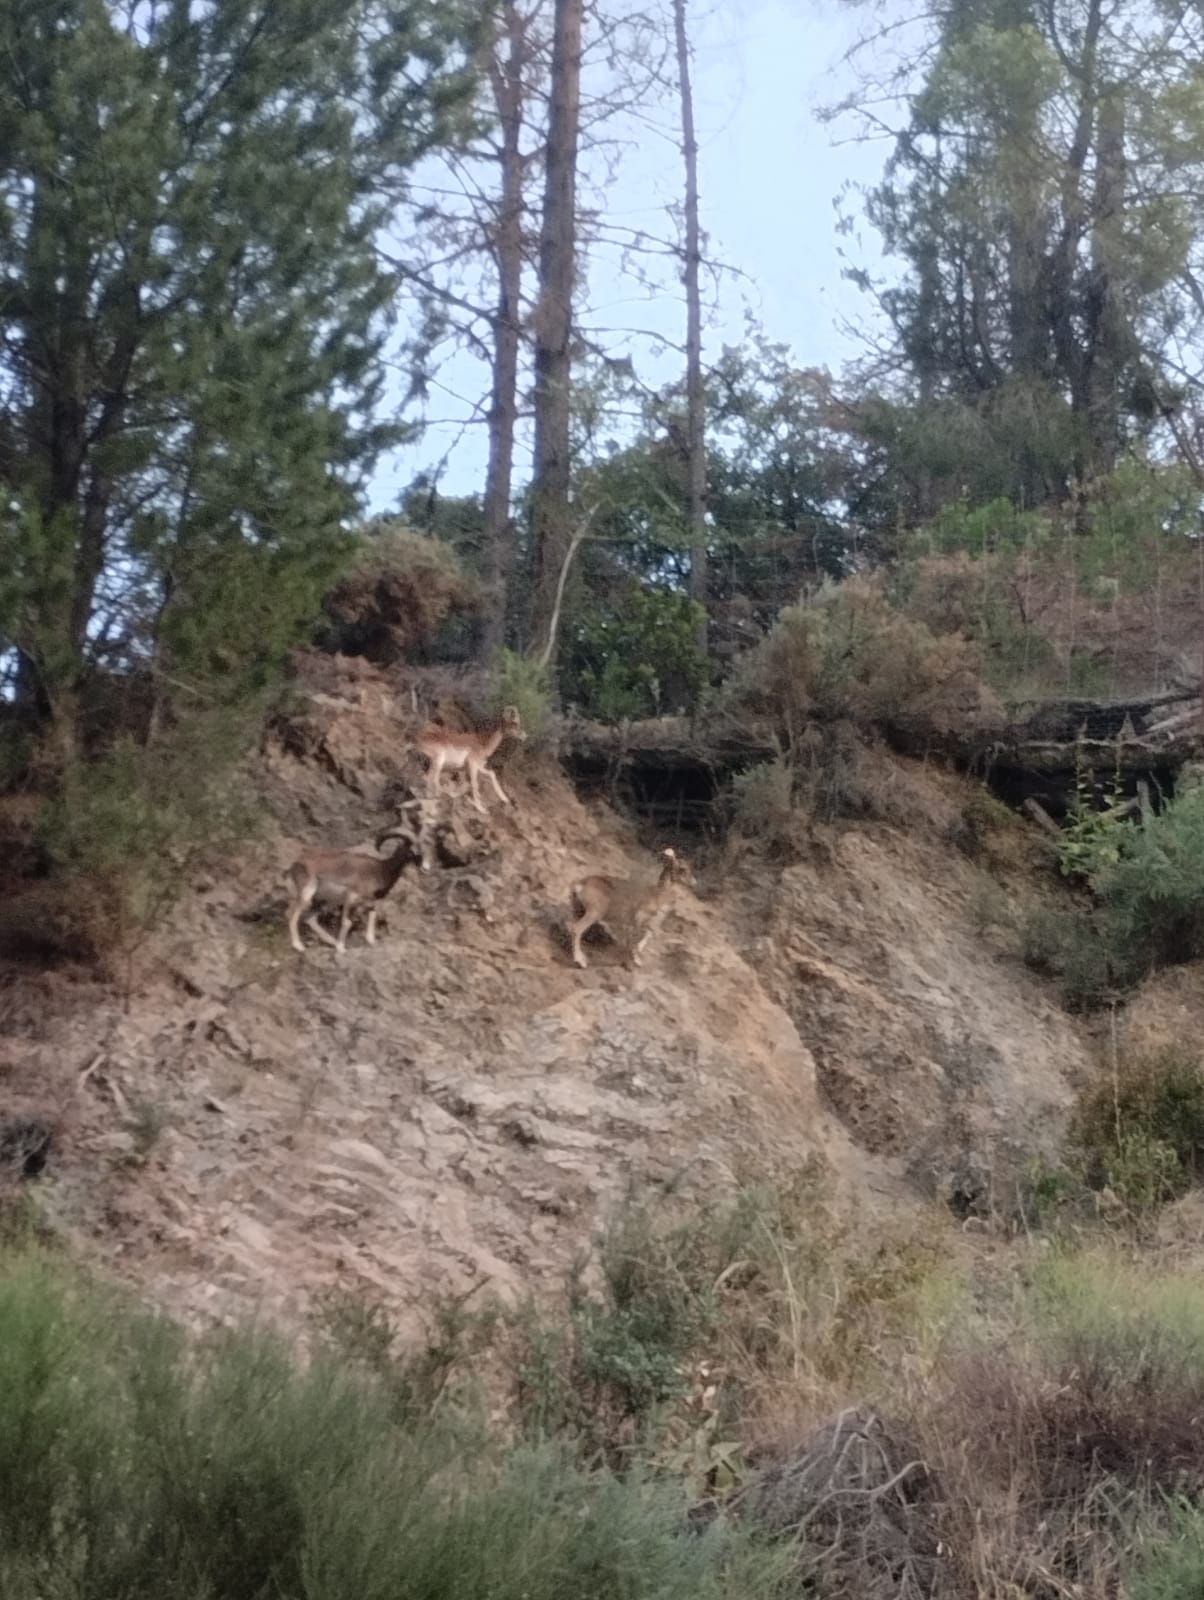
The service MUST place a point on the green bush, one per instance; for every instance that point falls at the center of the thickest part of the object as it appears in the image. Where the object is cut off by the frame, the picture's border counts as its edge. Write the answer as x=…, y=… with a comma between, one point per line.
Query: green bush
x=1083, y=949
x=1154, y=893
x=1168, y=1563
x=133, y=823
x=638, y=657
x=621, y=1352
x=983, y=816
x=1140, y=1128
x=135, y=1463
x=417, y=1380
x=766, y=808
x=1148, y=911
x=521, y=681
x=1092, y=839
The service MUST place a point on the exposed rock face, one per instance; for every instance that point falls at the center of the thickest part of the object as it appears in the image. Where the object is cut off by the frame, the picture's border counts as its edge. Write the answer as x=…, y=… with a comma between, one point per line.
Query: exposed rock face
x=932, y=1049
x=459, y=1105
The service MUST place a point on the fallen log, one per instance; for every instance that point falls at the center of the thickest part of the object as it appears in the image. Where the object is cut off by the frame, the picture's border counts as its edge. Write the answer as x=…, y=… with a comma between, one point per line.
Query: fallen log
x=1181, y=719
x=1034, y=809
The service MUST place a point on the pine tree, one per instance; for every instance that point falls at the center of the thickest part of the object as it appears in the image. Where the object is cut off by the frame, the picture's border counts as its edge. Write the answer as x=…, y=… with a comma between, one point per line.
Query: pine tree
x=1043, y=200
x=193, y=309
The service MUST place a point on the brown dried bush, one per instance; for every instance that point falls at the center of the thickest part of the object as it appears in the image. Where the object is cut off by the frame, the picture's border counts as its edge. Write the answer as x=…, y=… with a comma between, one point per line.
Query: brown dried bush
x=403, y=600
x=50, y=923
x=850, y=656
x=834, y=771
x=1055, y=1439
x=861, y=1505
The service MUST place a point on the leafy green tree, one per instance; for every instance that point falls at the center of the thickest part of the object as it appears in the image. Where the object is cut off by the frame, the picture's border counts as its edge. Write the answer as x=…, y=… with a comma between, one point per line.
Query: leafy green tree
x=193, y=310
x=784, y=483
x=1043, y=199
x=639, y=656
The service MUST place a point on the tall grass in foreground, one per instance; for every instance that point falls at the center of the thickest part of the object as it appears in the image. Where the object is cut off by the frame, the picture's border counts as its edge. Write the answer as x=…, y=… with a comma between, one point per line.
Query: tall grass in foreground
x=135, y=1464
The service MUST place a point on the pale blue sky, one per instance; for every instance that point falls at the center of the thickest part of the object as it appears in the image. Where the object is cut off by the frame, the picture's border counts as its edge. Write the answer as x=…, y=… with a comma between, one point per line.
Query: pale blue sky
x=769, y=173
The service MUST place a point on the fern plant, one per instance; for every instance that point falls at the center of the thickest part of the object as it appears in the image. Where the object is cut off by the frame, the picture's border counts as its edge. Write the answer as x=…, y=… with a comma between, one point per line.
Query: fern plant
x=1092, y=840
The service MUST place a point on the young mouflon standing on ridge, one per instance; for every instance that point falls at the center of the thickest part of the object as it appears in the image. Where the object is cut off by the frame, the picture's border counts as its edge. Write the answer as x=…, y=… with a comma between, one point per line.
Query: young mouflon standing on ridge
x=446, y=747
x=630, y=909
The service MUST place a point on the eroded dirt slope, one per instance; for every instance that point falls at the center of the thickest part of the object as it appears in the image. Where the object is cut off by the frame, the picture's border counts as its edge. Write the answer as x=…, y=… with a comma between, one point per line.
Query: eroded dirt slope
x=460, y=1104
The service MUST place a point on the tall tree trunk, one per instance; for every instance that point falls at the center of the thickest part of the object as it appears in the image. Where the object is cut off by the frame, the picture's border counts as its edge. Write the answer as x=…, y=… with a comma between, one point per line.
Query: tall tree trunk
x=506, y=71
x=696, y=464
x=1107, y=334
x=1025, y=247
x=1069, y=357
x=550, y=530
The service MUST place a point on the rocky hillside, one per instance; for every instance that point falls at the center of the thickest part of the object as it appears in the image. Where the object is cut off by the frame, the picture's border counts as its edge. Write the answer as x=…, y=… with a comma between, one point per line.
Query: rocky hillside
x=459, y=1105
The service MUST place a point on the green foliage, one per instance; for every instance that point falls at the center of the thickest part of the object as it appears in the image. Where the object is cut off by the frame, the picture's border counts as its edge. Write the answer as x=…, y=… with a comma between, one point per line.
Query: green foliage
x=1148, y=887
x=457, y=521
x=988, y=176
x=1168, y=1564
x=416, y=1379
x=1140, y=1129
x=138, y=820
x=1136, y=1138
x=1091, y=840
x=521, y=681
x=1143, y=1172
x=776, y=464
x=1144, y=1324
x=133, y=1463
x=622, y=1354
x=193, y=202
x=984, y=819
x=975, y=596
x=1067, y=599
x=1046, y=1187
x=636, y=658
x=1080, y=947
x=688, y=1317
x=984, y=529
x=1153, y=895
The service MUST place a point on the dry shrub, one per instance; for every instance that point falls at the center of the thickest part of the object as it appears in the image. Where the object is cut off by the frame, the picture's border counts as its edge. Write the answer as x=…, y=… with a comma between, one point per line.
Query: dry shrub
x=834, y=771
x=401, y=599
x=860, y=1502
x=1045, y=1435
x=850, y=656
x=766, y=809
x=1057, y=1437
x=989, y=1442
x=52, y=922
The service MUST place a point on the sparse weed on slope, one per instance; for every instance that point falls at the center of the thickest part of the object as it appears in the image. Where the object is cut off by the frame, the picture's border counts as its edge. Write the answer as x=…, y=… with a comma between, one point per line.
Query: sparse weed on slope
x=762, y=1297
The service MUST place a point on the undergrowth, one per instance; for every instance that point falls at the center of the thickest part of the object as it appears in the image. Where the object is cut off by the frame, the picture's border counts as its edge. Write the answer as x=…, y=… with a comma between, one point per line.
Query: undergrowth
x=751, y=1400
x=1136, y=1139
x=123, y=835
x=133, y=1463
x=1145, y=900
